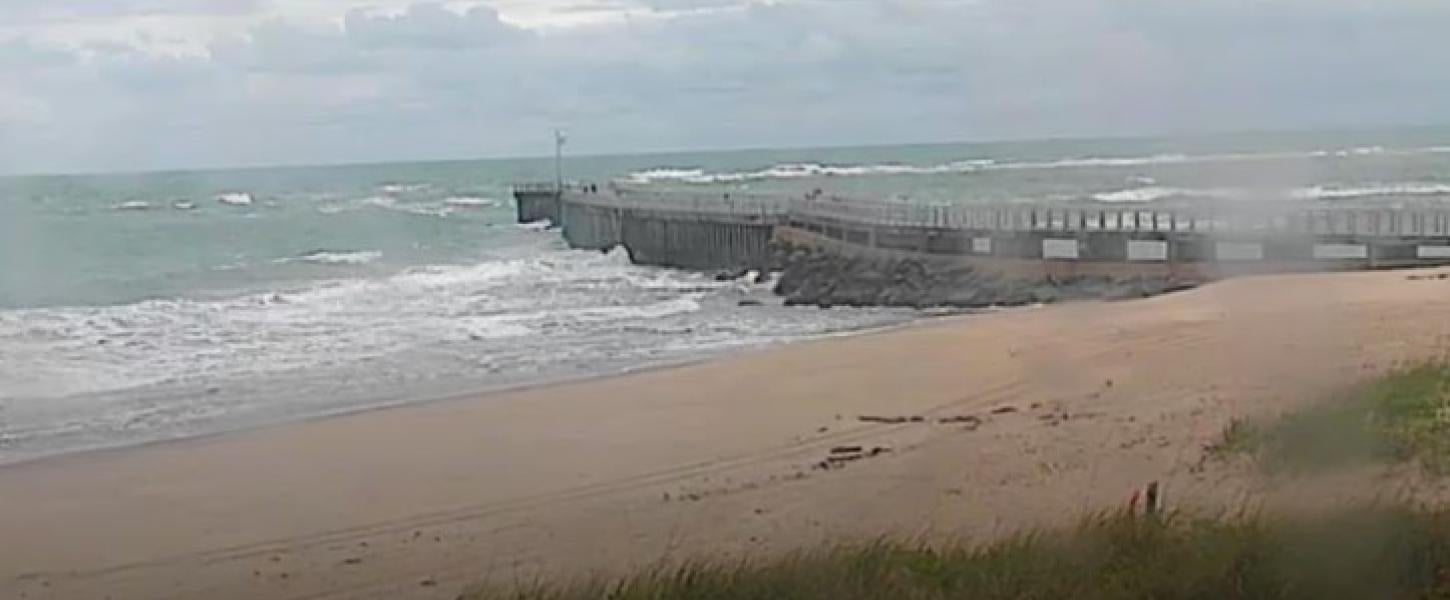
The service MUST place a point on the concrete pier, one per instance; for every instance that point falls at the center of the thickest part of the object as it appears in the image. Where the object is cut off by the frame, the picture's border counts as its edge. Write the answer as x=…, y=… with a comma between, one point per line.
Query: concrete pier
x=716, y=230
x=684, y=231
x=537, y=202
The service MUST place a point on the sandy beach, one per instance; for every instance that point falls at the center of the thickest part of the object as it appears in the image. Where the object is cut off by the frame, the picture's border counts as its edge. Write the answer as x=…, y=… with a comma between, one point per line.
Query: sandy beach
x=1022, y=418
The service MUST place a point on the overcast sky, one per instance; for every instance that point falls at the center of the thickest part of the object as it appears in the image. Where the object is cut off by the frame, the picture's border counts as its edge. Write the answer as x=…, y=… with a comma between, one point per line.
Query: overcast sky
x=146, y=84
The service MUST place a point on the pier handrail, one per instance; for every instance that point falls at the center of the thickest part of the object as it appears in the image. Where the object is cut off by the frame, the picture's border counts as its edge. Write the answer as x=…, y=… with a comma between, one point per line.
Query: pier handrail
x=546, y=187
x=759, y=206
x=1349, y=222
x=1356, y=221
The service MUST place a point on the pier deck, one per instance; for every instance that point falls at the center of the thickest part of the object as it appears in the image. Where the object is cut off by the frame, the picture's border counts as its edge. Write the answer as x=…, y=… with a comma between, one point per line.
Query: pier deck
x=719, y=230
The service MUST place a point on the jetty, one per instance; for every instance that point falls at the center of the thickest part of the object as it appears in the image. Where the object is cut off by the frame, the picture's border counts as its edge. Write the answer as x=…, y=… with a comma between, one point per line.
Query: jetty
x=711, y=229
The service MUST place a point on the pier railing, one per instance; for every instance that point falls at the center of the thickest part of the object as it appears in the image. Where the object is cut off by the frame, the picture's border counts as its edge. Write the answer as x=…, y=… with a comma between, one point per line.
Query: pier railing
x=1359, y=222
x=705, y=229
x=548, y=187
x=1256, y=220
x=755, y=207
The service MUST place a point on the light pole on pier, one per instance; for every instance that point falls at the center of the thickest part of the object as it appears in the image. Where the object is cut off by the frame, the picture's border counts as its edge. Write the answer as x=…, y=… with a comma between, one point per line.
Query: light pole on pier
x=559, y=138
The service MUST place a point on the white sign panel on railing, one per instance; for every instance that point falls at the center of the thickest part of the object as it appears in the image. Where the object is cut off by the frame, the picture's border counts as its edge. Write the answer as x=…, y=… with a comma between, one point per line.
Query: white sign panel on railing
x=1341, y=251
x=982, y=245
x=1433, y=252
x=1227, y=251
x=1063, y=249
x=1147, y=250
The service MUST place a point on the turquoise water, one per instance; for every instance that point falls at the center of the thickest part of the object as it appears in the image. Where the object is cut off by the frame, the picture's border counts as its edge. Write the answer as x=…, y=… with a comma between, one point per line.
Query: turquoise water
x=153, y=306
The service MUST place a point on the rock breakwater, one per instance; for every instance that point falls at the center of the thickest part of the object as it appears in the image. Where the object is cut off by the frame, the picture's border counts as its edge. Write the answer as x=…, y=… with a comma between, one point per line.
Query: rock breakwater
x=810, y=276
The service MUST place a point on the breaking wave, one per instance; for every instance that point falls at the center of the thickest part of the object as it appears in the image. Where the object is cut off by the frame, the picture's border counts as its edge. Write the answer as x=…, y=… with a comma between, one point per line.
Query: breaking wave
x=422, y=207
x=404, y=188
x=235, y=199
x=471, y=202
x=802, y=170
x=693, y=175
x=62, y=351
x=1143, y=195
x=1149, y=194
x=329, y=257
x=1372, y=191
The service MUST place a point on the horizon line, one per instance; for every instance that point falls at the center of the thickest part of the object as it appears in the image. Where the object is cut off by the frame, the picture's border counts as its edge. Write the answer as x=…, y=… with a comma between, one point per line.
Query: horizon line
x=236, y=168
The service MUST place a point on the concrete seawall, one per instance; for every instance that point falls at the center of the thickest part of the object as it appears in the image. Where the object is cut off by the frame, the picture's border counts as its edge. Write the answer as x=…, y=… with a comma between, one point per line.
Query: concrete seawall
x=711, y=231
x=681, y=232
x=537, y=203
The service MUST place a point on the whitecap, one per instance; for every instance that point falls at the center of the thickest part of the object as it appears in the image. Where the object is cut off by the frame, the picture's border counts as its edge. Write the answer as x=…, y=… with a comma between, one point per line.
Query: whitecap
x=327, y=257
x=1361, y=151
x=665, y=174
x=386, y=203
x=471, y=202
x=695, y=175
x=133, y=205
x=335, y=257
x=184, y=205
x=235, y=198
x=1142, y=195
x=802, y=170
x=1370, y=191
x=404, y=188
x=529, y=312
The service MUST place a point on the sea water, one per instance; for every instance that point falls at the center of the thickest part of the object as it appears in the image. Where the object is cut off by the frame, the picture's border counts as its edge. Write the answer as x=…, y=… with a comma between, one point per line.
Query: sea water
x=144, y=307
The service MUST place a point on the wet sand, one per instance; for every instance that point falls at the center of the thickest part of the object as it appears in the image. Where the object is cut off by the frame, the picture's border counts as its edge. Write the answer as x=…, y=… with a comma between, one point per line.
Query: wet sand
x=1011, y=420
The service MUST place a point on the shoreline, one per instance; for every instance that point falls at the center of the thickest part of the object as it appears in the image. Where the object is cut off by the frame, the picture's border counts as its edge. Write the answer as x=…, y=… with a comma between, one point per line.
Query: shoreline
x=1075, y=405
x=485, y=392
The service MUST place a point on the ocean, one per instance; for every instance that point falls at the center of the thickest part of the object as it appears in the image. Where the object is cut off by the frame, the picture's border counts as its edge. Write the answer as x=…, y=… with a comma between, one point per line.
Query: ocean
x=145, y=307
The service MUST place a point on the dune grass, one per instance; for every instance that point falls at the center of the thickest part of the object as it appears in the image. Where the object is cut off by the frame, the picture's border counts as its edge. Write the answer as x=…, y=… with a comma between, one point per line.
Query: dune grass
x=1367, y=553
x=1404, y=416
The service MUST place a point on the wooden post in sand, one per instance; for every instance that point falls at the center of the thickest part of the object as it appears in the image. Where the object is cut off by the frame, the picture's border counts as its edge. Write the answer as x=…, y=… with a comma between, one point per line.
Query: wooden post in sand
x=1150, y=504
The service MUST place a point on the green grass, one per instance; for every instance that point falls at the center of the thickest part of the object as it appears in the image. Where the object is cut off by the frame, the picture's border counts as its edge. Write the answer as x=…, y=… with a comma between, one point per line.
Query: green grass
x=1404, y=416
x=1381, y=553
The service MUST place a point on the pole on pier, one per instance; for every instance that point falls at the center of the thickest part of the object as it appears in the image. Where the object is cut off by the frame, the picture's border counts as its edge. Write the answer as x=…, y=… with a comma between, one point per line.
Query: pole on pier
x=559, y=139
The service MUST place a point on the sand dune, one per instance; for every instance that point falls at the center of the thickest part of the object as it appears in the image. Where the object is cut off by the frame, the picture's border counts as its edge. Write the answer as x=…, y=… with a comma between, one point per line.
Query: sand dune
x=1011, y=420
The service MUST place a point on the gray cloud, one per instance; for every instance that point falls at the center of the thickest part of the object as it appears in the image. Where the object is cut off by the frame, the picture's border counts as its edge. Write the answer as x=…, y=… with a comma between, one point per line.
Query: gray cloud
x=25, y=10
x=430, y=82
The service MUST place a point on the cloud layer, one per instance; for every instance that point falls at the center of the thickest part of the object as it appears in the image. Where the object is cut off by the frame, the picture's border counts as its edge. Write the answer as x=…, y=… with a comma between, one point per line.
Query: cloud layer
x=141, y=84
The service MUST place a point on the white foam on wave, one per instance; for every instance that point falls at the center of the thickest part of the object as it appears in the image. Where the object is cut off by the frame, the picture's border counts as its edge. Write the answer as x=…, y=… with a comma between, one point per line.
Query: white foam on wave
x=82, y=377
x=1144, y=195
x=323, y=257
x=58, y=352
x=694, y=175
x=235, y=199
x=667, y=174
x=1150, y=194
x=471, y=202
x=1371, y=191
x=422, y=208
x=801, y=170
x=133, y=205
x=1363, y=151
x=404, y=188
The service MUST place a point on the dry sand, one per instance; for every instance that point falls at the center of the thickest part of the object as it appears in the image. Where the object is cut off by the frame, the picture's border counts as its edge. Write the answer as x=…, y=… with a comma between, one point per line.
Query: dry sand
x=1079, y=404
